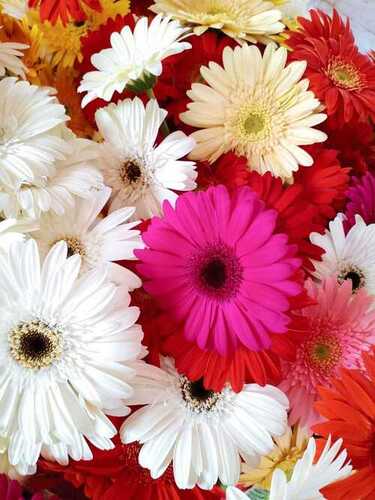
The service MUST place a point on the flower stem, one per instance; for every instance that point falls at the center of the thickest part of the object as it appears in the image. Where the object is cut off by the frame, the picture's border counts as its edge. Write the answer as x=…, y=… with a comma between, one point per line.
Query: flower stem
x=164, y=126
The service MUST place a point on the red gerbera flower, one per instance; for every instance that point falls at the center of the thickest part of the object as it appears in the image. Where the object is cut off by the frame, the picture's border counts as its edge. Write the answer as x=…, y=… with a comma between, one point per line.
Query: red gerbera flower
x=341, y=77
x=350, y=412
x=229, y=169
x=116, y=474
x=65, y=10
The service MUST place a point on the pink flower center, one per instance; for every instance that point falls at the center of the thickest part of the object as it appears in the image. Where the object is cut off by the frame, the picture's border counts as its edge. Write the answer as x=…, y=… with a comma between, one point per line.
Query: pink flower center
x=217, y=271
x=322, y=353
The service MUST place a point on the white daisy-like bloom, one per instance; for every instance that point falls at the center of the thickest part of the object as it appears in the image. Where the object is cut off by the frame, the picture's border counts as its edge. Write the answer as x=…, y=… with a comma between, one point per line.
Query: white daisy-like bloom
x=140, y=173
x=202, y=431
x=12, y=230
x=10, y=58
x=241, y=19
x=30, y=132
x=66, y=357
x=99, y=241
x=256, y=106
x=308, y=478
x=75, y=176
x=133, y=57
x=14, y=8
x=348, y=256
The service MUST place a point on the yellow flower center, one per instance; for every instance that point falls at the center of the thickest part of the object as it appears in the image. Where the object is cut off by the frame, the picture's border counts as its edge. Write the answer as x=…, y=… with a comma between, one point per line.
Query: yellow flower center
x=35, y=345
x=323, y=353
x=254, y=123
x=344, y=75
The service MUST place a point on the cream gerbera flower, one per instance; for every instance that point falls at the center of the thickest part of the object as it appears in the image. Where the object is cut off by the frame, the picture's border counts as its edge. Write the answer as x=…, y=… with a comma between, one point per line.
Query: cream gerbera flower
x=240, y=19
x=288, y=450
x=67, y=356
x=133, y=57
x=10, y=58
x=257, y=107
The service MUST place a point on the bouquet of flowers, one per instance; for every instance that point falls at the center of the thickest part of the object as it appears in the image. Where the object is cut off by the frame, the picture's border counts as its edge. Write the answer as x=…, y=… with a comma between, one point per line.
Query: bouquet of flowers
x=187, y=250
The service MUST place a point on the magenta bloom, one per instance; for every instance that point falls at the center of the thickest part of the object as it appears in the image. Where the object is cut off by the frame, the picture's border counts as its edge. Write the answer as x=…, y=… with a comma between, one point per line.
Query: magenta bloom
x=215, y=264
x=11, y=490
x=361, y=200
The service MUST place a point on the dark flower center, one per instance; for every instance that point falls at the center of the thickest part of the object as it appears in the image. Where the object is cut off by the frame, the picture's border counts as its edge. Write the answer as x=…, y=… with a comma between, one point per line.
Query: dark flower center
x=353, y=274
x=130, y=172
x=214, y=273
x=196, y=396
x=199, y=392
x=355, y=279
x=34, y=344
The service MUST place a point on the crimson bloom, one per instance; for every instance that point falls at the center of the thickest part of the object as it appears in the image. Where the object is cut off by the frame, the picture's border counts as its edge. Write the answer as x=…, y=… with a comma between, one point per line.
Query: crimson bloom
x=65, y=10
x=340, y=76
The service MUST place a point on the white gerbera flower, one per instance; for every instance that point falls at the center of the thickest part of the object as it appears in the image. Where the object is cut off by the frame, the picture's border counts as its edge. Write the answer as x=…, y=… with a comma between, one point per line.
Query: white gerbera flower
x=10, y=54
x=12, y=230
x=132, y=57
x=65, y=356
x=99, y=241
x=348, y=256
x=258, y=108
x=202, y=431
x=30, y=140
x=308, y=478
x=140, y=173
x=240, y=19
x=75, y=176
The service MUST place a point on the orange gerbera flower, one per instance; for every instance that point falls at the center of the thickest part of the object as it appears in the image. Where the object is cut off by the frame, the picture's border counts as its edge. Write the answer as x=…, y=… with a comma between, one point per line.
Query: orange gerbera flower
x=350, y=412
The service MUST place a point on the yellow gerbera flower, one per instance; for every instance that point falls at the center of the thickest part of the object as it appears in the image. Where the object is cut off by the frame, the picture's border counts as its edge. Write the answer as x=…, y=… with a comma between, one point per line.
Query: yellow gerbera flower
x=288, y=450
x=61, y=45
x=250, y=20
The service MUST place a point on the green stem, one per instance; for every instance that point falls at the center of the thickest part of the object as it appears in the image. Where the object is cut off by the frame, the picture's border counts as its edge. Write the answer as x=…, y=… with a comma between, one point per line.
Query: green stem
x=164, y=126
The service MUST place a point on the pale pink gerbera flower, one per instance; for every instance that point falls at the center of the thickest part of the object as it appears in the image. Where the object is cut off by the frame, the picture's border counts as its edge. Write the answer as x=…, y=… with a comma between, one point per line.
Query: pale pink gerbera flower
x=334, y=333
x=216, y=264
x=361, y=198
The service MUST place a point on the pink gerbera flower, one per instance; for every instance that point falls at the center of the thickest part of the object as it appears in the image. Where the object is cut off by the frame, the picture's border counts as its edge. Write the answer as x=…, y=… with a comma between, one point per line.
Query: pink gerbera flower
x=11, y=490
x=336, y=330
x=361, y=201
x=215, y=263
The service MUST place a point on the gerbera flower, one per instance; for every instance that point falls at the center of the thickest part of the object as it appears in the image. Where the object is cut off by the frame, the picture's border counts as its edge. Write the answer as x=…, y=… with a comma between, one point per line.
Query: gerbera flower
x=12, y=490
x=349, y=412
x=348, y=256
x=335, y=331
x=66, y=356
x=99, y=241
x=65, y=10
x=308, y=478
x=76, y=176
x=289, y=448
x=229, y=169
x=10, y=54
x=265, y=118
x=29, y=138
x=116, y=473
x=341, y=77
x=244, y=19
x=216, y=264
x=361, y=200
x=133, y=56
x=140, y=173
x=204, y=432
x=60, y=44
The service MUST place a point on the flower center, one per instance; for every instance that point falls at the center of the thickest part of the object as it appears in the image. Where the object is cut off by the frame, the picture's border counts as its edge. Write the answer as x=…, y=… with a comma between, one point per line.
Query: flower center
x=196, y=396
x=323, y=353
x=35, y=345
x=354, y=274
x=344, y=75
x=130, y=172
x=217, y=271
x=75, y=246
x=254, y=123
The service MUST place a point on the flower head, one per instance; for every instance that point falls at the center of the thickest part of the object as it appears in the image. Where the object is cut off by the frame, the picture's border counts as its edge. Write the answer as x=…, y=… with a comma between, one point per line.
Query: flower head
x=65, y=10
x=361, y=200
x=265, y=118
x=348, y=409
x=243, y=19
x=347, y=256
x=140, y=173
x=133, y=56
x=202, y=431
x=216, y=264
x=333, y=333
x=341, y=77
x=65, y=356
